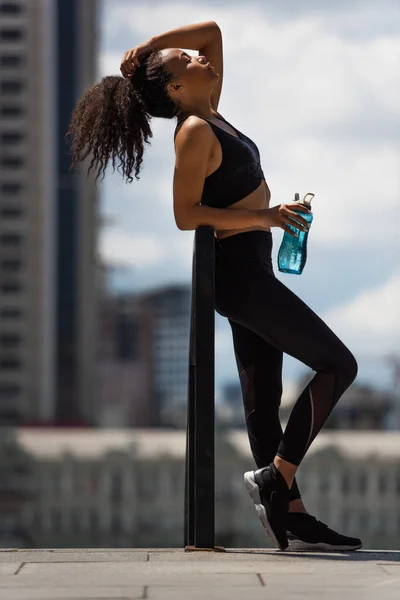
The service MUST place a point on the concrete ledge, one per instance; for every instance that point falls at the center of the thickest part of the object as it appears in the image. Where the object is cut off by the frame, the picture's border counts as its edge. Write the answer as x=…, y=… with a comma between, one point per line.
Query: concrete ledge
x=130, y=574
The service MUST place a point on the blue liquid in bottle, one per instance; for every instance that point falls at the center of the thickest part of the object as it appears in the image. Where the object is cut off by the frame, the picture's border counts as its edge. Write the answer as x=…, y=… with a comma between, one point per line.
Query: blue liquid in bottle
x=292, y=255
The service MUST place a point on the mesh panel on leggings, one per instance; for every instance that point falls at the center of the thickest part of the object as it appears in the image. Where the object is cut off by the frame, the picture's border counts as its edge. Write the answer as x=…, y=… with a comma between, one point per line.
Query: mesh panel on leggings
x=308, y=416
x=321, y=393
x=263, y=424
x=246, y=375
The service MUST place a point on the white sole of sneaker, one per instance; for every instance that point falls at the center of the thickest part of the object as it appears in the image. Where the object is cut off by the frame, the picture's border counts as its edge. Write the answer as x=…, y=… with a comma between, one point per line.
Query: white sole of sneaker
x=254, y=492
x=300, y=546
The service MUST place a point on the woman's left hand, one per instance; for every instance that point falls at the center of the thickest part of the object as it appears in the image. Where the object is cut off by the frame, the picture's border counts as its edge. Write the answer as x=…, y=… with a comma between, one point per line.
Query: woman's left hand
x=130, y=60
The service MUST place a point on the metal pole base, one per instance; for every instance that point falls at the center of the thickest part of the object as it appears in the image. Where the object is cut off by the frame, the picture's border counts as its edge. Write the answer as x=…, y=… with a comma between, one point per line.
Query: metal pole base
x=214, y=549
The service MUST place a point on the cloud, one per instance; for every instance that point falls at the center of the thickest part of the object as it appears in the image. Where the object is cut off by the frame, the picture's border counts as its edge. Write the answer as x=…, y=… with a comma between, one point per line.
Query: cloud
x=324, y=110
x=109, y=63
x=370, y=322
x=123, y=249
x=353, y=18
x=355, y=192
x=316, y=86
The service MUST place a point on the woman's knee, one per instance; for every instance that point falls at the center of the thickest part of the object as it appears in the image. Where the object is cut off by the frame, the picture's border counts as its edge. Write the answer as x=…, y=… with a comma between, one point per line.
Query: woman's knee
x=342, y=362
x=348, y=366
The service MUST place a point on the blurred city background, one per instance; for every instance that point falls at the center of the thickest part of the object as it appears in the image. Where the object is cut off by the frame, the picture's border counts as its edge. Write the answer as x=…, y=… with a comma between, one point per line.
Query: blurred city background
x=95, y=285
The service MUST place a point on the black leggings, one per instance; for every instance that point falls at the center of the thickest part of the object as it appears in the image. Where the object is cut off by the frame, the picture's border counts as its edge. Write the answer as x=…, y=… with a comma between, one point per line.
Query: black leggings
x=267, y=319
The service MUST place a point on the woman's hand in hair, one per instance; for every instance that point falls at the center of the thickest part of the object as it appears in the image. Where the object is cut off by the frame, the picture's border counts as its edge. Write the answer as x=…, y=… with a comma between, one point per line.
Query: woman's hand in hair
x=131, y=58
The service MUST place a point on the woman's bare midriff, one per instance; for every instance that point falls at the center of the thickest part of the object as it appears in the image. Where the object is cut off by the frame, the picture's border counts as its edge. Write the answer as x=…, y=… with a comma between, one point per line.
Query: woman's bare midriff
x=256, y=200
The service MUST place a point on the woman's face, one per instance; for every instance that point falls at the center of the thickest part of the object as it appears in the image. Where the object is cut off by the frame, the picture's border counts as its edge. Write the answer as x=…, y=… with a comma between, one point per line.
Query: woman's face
x=191, y=72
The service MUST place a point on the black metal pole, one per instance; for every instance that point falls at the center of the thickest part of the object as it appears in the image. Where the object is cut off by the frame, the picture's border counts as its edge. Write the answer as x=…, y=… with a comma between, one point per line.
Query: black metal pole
x=200, y=468
x=190, y=431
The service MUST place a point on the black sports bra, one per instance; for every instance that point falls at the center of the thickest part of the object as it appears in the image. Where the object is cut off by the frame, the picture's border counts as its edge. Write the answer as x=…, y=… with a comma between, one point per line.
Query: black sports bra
x=240, y=172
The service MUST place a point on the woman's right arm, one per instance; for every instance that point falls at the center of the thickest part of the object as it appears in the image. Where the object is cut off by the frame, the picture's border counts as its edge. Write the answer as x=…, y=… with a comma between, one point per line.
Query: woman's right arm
x=193, y=144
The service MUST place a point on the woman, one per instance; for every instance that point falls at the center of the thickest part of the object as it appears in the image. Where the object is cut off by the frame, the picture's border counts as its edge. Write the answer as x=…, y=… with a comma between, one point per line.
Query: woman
x=219, y=166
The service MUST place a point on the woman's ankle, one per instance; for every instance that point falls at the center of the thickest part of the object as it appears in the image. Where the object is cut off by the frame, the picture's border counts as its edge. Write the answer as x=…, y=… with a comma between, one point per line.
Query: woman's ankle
x=297, y=506
x=287, y=469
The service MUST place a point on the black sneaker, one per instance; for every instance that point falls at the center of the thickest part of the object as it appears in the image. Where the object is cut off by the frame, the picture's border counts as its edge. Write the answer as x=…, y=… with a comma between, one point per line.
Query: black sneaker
x=305, y=532
x=270, y=494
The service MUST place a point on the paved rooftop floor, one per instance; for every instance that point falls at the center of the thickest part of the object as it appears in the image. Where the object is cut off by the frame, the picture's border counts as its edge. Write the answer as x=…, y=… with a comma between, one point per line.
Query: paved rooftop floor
x=245, y=574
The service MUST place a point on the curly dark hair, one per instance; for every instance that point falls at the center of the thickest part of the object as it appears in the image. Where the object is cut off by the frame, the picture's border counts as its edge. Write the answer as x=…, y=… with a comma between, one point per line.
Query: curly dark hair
x=112, y=119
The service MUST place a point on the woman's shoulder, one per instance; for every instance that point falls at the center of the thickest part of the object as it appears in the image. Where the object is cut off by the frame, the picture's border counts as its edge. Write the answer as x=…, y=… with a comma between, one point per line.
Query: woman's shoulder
x=196, y=119
x=190, y=121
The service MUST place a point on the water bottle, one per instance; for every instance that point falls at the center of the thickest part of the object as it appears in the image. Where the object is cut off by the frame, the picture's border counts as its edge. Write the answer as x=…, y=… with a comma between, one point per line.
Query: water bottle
x=292, y=253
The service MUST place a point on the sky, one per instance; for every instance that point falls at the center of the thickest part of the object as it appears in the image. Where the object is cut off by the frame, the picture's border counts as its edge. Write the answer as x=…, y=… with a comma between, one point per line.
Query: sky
x=316, y=85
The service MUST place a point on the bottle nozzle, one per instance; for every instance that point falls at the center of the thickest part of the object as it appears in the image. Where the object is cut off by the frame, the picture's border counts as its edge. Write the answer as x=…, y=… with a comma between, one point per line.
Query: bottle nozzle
x=308, y=202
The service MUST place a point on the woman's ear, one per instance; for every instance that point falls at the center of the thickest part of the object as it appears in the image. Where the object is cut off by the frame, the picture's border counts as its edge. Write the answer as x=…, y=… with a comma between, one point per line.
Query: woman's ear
x=174, y=88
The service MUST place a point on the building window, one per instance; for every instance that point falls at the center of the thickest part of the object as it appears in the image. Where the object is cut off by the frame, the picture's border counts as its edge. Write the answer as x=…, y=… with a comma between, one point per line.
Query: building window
x=12, y=162
x=56, y=479
x=10, y=288
x=10, y=61
x=11, y=137
x=116, y=524
x=93, y=520
x=93, y=481
x=345, y=483
x=10, y=212
x=10, y=340
x=10, y=8
x=10, y=239
x=75, y=520
x=10, y=363
x=147, y=482
x=37, y=518
x=363, y=519
x=126, y=337
x=10, y=265
x=382, y=483
x=11, y=87
x=116, y=491
x=11, y=111
x=324, y=483
x=10, y=416
x=10, y=313
x=9, y=390
x=11, y=35
x=11, y=187
x=56, y=519
x=362, y=482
